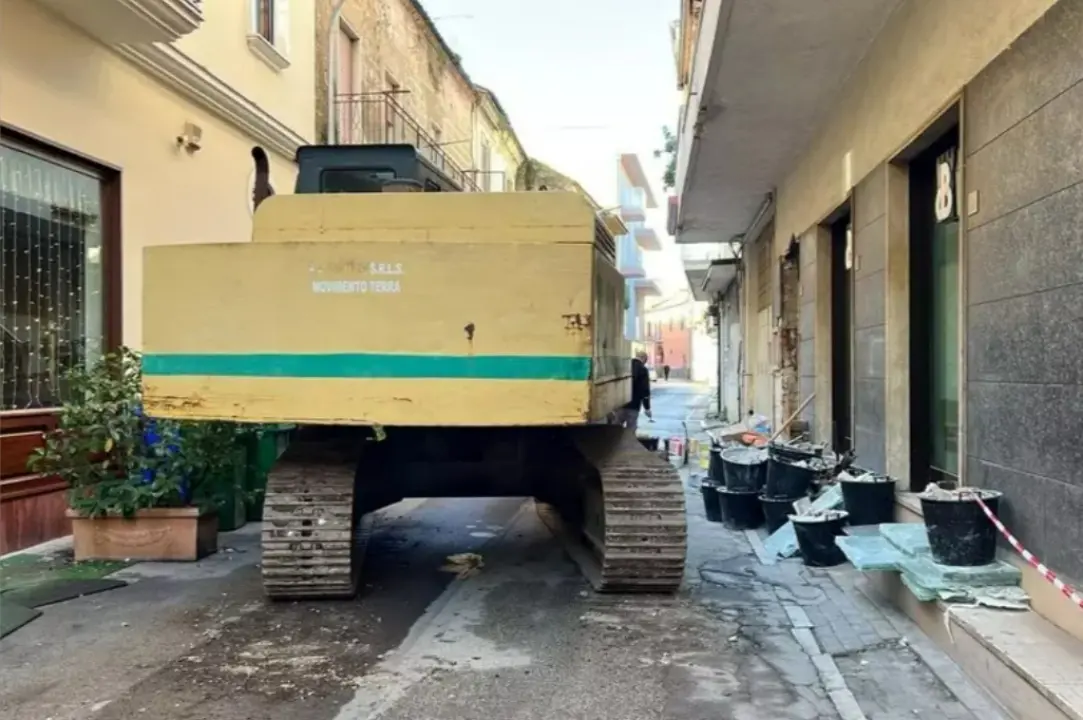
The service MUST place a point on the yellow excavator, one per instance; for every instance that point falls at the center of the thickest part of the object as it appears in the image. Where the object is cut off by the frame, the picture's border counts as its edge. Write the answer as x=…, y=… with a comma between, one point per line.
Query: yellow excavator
x=426, y=342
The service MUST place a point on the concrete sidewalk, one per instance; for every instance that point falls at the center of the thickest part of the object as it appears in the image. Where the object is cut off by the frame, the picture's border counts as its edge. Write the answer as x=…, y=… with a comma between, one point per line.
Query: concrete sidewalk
x=867, y=658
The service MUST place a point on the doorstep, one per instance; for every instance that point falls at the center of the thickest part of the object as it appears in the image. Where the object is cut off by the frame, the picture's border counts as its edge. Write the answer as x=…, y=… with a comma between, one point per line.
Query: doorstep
x=1031, y=666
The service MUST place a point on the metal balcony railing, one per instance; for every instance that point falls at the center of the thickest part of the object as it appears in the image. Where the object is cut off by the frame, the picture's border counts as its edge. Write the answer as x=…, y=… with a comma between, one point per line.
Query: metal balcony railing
x=378, y=118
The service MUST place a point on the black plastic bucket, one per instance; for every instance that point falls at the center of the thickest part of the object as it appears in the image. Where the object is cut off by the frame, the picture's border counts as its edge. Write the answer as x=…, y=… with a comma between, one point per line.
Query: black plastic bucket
x=816, y=538
x=711, y=504
x=870, y=501
x=780, y=451
x=959, y=532
x=714, y=468
x=745, y=469
x=741, y=510
x=776, y=511
x=787, y=480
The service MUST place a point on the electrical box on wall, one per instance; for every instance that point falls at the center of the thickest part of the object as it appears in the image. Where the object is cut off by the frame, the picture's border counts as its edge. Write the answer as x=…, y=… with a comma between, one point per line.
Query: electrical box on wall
x=972, y=203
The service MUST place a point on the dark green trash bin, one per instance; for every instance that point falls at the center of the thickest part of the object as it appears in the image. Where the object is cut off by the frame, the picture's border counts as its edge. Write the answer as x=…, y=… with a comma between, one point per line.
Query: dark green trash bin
x=233, y=513
x=263, y=448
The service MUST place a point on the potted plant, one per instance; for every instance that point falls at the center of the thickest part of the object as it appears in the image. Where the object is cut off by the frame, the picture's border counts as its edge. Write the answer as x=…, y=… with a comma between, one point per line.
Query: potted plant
x=213, y=451
x=137, y=486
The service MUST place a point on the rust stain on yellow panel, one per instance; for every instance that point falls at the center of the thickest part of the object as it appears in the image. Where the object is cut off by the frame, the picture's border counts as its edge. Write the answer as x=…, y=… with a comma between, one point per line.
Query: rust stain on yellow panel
x=453, y=402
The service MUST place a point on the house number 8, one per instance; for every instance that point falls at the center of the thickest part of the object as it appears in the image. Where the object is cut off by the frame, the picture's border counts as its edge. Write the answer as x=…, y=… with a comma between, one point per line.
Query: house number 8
x=945, y=187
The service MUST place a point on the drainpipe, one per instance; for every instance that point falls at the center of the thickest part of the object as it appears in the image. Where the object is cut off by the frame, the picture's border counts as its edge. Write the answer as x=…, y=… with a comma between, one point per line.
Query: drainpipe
x=720, y=314
x=332, y=70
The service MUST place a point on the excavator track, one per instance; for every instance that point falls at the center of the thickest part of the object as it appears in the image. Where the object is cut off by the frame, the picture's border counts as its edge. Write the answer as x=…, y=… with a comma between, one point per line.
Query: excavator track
x=314, y=535
x=628, y=531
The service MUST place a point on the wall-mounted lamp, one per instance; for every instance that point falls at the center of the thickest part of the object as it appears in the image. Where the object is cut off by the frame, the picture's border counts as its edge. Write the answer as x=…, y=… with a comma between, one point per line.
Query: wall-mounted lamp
x=190, y=138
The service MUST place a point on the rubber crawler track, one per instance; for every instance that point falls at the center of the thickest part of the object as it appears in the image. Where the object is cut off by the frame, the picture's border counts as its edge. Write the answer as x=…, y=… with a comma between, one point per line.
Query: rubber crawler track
x=314, y=538
x=638, y=541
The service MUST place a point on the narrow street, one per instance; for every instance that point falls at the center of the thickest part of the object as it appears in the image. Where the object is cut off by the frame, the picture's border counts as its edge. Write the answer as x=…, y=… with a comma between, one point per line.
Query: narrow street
x=523, y=639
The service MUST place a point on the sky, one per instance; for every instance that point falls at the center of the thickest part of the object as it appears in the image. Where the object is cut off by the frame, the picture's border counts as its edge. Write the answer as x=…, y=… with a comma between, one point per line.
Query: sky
x=582, y=81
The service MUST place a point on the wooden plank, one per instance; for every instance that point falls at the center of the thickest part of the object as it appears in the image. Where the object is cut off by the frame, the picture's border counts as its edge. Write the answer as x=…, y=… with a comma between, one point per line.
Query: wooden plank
x=31, y=519
x=15, y=451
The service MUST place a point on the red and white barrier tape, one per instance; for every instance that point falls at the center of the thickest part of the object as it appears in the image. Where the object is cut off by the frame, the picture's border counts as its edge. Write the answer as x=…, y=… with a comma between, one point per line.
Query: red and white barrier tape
x=1070, y=592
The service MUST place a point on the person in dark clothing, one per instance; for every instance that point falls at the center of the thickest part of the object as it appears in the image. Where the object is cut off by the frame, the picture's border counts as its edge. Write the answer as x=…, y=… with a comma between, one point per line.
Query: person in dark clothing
x=628, y=416
x=665, y=372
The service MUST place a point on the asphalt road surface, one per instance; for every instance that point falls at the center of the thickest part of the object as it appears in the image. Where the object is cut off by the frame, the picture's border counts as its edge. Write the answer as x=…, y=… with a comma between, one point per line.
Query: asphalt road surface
x=523, y=639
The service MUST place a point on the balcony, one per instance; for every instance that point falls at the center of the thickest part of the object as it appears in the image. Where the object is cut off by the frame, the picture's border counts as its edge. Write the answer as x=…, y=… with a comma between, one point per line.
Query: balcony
x=632, y=213
x=378, y=118
x=131, y=22
x=629, y=258
x=647, y=239
x=710, y=268
x=762, y=77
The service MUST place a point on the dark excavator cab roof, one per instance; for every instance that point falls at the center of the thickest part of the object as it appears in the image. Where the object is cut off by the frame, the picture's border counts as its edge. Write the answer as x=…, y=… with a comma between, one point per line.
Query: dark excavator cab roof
x=365, y=168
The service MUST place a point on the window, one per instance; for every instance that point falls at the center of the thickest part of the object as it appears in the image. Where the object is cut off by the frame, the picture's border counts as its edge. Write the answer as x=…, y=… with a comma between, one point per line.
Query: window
x=269, y=33
x=52, y=294
x=265, y=20
x=350, y=127
x=486, y=166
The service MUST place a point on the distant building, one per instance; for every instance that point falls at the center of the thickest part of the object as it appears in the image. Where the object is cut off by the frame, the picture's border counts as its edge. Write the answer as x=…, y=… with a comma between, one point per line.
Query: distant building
x=399, y=82
x=677, y=331
x=635, y=198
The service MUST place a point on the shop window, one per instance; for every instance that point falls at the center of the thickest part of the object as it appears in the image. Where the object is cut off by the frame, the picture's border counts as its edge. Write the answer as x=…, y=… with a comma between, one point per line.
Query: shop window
x=52, y=298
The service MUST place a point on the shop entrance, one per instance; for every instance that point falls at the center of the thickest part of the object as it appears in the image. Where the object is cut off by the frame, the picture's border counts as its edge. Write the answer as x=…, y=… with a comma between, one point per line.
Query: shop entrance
x=934, y=313
x=842, y=332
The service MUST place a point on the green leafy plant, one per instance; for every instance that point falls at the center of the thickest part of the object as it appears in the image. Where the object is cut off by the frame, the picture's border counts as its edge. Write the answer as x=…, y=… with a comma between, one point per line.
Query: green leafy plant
x=669, y=149
x=117, y=461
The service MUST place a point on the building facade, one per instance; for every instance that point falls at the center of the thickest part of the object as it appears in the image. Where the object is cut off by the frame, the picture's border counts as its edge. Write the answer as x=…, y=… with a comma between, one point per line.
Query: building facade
x=397, y=81
x=497, y=149
x=677, y=328
x=122, y=125
x=635, y=197
x=902, y=184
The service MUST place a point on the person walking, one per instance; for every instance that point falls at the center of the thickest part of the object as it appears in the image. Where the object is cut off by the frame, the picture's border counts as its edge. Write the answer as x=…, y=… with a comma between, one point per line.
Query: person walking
x=665, y=372
x=628, y=416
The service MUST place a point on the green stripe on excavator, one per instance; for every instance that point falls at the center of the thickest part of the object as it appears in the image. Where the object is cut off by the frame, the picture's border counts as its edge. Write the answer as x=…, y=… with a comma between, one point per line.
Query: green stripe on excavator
x=370, y=365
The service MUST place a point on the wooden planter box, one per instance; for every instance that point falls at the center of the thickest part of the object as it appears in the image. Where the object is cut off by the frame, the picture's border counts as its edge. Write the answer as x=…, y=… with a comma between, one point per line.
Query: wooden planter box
x=182, y=534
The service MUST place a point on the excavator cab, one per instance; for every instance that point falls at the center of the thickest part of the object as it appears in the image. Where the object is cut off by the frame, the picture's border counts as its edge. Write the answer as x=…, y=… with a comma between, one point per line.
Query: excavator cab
x=367, y=169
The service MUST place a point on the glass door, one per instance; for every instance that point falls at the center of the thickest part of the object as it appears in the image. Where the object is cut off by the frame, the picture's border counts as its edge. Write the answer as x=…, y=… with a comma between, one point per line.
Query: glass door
x=944, y=351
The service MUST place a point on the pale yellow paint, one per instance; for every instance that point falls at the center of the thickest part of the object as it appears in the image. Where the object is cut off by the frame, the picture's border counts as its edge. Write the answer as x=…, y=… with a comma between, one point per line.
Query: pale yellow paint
x=515, y=266
x=495, y=129
x=397, y=402
x=221, y=43
x=259, y=297
x=61, y=85
x=524, y=217
x=920, y=62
